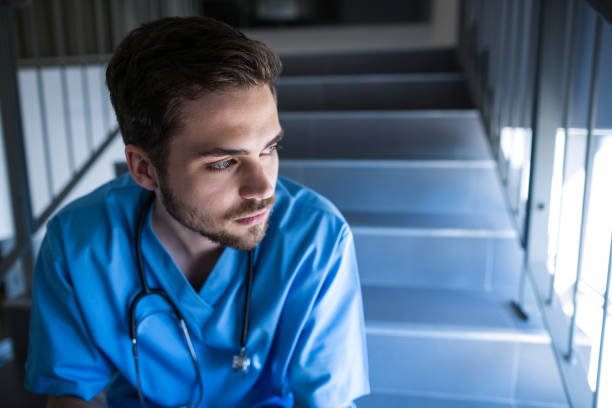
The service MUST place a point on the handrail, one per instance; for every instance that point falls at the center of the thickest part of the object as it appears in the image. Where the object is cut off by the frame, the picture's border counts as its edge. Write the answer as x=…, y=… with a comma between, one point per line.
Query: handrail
x=564, y=26
x=39, y=51
x=14, y=255
x=26, y=223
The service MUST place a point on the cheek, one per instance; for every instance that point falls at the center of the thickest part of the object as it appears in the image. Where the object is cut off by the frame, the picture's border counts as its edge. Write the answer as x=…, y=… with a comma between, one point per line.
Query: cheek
x=214, y=197
x=272, y=169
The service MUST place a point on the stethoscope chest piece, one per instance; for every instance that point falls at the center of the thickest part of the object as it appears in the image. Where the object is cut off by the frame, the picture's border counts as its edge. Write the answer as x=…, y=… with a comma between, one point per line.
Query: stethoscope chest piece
x=241, y=362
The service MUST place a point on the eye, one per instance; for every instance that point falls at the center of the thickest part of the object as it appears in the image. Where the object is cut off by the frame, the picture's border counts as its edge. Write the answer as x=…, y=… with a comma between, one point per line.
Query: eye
x=220, y=166
x=272, y=148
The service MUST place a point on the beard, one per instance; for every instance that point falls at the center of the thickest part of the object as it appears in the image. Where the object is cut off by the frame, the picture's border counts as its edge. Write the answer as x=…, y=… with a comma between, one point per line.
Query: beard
x=205, y=225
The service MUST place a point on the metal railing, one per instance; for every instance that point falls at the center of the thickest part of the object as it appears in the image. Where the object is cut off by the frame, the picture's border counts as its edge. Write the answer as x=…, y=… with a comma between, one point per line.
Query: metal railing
x=69, y=36
x=541, y=74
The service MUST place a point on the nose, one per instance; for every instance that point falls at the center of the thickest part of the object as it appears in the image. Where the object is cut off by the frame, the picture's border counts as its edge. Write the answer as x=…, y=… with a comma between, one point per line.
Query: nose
x=256, y=184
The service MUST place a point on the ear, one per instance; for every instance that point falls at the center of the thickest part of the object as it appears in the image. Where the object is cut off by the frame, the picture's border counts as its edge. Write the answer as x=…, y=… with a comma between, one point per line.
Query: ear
x=141, y=168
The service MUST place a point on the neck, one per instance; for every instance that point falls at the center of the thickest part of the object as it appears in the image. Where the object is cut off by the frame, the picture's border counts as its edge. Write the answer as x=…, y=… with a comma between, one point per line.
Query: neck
x=194, y=254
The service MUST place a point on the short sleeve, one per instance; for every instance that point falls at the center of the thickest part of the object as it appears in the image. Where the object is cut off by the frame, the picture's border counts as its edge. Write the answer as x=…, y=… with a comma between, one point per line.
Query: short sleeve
x=329, y=364
x=62, y=358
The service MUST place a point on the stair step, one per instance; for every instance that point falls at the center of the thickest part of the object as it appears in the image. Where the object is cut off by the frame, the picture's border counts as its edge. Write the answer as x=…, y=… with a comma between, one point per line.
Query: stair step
x=466, y=344
x=441, y=259
x=443, y=251
x=437, y=400
x=370, y=62
x=386, y=186
x=373, y=92
x=474, y=225
x=443, y=311
x=442, y=135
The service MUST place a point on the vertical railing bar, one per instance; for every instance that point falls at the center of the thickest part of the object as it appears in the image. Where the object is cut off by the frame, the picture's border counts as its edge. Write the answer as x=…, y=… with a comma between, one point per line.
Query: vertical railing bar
x=528, y=62
x=501, y=74
x=462, y=7
x=494, y=67
x=494, y=127
x=477, y=54
x=504, y=114
x=481, y=27
x=514, y=32
x=470, y=45
x=528, y=109
x=538, y=49
x=520, y=56
x=41, y=101
x=101, y=59
x=519, y=188
x=84, y=80
x=15, y=150
x=519, y=46
x=587, y=178
x=518, y=304
x=515, y=48
x=567, y=111
x=521, y=96
x=604, y=320
x=516, y=36
x=59, y=38
x=499, y=97
x=479, y=30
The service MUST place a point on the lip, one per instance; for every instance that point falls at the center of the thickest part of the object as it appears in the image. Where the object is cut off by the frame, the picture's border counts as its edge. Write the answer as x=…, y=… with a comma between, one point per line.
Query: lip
x=254, y=219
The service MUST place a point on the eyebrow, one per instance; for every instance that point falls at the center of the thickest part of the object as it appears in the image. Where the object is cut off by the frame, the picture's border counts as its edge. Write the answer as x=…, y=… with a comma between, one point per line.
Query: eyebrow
x=220, y=152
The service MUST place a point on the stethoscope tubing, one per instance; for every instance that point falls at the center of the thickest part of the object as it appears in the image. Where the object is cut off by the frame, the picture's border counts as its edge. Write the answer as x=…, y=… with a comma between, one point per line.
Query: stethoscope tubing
x=145, y=290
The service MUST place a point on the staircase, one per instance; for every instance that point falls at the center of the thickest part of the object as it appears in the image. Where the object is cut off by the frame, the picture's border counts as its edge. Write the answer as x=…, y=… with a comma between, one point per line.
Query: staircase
x=394, y=141
x=392, y=138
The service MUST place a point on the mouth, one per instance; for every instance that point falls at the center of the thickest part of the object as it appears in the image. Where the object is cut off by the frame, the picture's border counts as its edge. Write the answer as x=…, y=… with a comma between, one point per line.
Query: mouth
x=255, y=218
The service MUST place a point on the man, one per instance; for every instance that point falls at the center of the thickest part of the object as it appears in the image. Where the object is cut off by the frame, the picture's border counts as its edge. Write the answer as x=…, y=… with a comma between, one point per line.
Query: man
x=199, y=279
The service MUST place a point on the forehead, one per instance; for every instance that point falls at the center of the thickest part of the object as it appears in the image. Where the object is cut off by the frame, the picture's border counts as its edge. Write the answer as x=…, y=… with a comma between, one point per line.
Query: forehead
x=238, y=115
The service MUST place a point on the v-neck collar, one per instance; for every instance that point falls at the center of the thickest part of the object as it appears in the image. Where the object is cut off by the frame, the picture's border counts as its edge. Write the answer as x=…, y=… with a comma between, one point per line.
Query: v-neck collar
x=195, y=307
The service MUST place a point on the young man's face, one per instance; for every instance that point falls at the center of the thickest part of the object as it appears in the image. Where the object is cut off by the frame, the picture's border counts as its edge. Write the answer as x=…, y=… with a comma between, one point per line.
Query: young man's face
x=222, y=166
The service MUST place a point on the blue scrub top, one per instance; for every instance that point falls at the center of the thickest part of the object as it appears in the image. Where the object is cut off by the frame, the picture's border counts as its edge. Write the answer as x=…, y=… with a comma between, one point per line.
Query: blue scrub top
x=306, y=337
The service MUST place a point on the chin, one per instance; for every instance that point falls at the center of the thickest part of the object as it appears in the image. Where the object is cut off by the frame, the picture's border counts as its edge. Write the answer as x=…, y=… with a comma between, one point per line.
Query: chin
x=254, y=236
x=244, y=240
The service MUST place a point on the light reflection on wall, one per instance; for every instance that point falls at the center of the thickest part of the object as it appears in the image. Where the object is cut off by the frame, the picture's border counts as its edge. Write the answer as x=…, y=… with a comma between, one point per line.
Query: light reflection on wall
x=564, y=231
x=596, y=249
x=513, y=145
x=526, y=134
x=556, y=189
x=516, y=150
x=570, y=218
x=599, y=223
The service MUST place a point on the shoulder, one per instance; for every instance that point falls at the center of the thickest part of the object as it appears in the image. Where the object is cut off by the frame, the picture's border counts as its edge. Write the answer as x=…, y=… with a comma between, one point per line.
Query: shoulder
x=105, y=212
x=300, y=209
x=306, y=236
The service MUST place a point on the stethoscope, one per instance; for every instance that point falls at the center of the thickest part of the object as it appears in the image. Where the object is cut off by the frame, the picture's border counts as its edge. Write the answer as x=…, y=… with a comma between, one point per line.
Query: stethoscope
x=240, y=362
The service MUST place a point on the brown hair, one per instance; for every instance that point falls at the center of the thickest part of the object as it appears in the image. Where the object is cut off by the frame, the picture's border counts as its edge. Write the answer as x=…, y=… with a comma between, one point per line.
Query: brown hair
x=163, y=63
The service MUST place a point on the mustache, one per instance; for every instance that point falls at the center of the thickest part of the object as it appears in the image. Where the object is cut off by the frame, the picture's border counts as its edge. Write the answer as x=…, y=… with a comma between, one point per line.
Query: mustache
x=249, y=207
